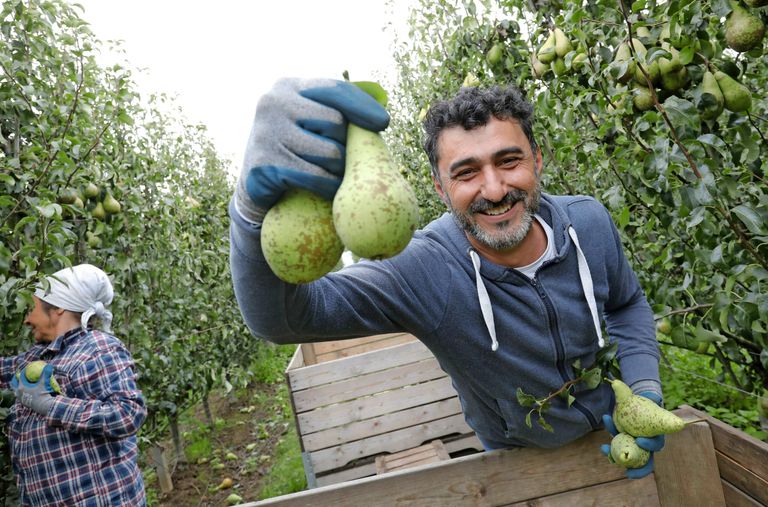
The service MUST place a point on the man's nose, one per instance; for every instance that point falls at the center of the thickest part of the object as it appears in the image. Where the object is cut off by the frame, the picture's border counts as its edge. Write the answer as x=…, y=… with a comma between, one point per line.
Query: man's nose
x=493, y=187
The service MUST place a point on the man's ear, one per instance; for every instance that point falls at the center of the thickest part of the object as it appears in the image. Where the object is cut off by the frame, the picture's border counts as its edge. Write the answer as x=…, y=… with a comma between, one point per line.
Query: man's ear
x=539, y=167
x=439, y=189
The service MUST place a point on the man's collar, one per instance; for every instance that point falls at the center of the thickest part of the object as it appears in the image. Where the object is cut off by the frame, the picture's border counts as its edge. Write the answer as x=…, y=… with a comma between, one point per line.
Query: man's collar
x=57, y=344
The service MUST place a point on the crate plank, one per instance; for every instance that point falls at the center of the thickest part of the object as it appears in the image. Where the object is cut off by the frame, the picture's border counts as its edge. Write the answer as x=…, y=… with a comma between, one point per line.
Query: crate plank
x=350, y=367
x=743, y=478
x=367, y=468
x=340, y=349
x=485, y=479
x=365, y=385
x=383, y=424
x=623, y=493
x=374, y=406
x=686, y=469
x=337, y=345
x=734, y=497
x=338, y=456
x=744, y=449
x=424, y=454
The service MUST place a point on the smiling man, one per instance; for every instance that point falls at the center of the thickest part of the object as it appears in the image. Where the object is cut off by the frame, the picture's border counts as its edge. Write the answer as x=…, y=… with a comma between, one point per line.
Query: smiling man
x=508, y=289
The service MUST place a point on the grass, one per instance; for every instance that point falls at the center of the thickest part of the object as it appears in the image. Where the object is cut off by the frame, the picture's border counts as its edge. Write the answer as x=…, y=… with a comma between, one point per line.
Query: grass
x=694, y=379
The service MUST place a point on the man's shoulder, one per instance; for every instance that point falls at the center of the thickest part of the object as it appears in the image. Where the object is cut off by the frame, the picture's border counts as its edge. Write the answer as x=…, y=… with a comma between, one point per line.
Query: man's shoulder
x=98, y=340
x=580, y=209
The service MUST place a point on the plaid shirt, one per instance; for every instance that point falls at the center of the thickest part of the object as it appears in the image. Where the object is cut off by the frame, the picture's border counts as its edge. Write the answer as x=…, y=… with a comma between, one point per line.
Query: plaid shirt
x=84, y=453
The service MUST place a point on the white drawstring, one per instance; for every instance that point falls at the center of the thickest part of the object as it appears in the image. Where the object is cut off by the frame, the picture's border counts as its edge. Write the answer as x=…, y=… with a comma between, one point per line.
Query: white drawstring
x=485, y=301
x=586, y=284
x=587, y=287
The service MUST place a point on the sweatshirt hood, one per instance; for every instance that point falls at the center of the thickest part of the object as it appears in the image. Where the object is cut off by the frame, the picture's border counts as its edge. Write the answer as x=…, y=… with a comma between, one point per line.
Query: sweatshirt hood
x=564, y=236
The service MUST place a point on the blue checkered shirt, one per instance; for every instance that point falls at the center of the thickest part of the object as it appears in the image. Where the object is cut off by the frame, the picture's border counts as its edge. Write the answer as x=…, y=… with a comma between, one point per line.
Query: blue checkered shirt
x=84, y=452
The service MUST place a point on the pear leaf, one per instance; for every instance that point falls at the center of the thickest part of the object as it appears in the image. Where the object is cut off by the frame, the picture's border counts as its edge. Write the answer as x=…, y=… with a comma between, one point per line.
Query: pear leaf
x=375, y=90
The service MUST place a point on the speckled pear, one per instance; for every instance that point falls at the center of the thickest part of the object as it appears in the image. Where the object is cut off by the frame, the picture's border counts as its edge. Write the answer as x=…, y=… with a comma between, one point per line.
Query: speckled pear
x=298, y=238
x=375, y=211
x=626, y=452
x=641, y=417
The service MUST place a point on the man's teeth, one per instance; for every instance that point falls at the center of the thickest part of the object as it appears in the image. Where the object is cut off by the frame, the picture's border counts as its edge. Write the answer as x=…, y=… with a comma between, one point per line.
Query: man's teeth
x=498, y=210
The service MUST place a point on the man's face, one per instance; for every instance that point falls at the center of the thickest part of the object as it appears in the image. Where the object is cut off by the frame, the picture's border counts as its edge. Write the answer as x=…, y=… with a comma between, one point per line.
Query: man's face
x=43, y=322
x=489, y=178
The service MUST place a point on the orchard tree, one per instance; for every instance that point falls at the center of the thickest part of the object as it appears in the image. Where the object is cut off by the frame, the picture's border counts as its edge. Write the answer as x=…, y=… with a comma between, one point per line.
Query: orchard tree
x=91, y=173
x=658, y=110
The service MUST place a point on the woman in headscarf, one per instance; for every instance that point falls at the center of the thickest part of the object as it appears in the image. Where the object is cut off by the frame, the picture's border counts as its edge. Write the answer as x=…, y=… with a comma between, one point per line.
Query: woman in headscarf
x=73, y=430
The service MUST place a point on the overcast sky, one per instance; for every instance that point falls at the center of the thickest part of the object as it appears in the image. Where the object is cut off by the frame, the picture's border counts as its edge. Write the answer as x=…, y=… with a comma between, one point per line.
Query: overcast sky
x=219, y=56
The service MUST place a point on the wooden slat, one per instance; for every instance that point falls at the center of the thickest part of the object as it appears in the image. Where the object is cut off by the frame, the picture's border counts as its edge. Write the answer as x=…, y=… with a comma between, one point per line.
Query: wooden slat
x=624, y=493
x=374, y=406
x=337, y=345
x=367, y=469
x=485, y=479
x=686, y=470
x=417, y=456
x=743, y=478
x=362, y=349
x=297, y=360
x=365, y=385
x=349, y=367
x=308, y=353
x=734, y=497
x=746, y=450
x=384, y=424
x=338, y=456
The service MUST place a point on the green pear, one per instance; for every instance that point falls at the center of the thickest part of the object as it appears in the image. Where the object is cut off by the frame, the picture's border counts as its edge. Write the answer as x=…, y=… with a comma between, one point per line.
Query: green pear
x=33, y=371
x=298, y=238
x=651, y=68
x=91, y=191
x=743, y=30
x=709, y=86
x=375, y=211
x=538, y=68
x=67, y=196
x=562, y=43
x=642, y=99
x=672, y=64
x=626, y=452
x=623, y=54
x=494, y=54
x=639, y=416
x=99, y=212
x=736, y=96
x=579, y=61
x=558, y=66
x=675, y=80
x=111, y=205
x=546, y=53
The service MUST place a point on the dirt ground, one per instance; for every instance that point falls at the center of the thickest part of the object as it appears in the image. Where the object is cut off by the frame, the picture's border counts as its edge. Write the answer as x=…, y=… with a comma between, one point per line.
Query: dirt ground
x=196, y=484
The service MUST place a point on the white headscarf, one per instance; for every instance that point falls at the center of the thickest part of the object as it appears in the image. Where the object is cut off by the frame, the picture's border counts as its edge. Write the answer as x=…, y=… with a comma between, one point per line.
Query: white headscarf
x=83, y=289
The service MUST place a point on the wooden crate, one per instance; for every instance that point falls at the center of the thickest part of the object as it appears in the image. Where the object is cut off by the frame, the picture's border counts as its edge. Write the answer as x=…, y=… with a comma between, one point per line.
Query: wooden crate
x=706, y=464
x=358, y=399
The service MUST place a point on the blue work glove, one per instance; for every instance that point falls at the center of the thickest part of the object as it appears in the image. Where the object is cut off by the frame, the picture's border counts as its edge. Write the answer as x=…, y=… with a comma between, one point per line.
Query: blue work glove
x=38, y=396
x=652, y=444
x=298, y=140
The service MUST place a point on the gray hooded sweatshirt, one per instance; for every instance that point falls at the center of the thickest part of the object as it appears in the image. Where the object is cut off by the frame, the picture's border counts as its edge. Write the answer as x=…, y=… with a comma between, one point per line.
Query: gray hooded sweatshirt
x=492, y=329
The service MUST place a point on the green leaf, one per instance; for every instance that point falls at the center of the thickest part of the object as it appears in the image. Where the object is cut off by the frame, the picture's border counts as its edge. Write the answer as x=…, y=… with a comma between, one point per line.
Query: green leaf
x=525, y=400
x=750, y=219
x=373, y=89
x=592, y=377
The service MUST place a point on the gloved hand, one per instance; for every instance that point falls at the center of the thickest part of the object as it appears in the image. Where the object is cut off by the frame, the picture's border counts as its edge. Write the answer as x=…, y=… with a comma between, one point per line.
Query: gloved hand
x=298, y=140
x=38, y=396
x=652, y=444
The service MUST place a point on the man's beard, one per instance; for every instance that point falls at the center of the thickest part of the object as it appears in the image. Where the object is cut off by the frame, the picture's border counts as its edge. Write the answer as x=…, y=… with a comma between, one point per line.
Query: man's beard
x=504, y=238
